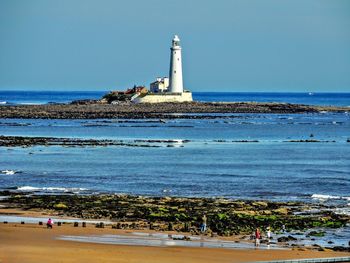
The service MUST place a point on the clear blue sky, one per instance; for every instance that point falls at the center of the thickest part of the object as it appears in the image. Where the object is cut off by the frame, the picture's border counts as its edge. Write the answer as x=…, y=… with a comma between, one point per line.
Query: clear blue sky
x=228, y=45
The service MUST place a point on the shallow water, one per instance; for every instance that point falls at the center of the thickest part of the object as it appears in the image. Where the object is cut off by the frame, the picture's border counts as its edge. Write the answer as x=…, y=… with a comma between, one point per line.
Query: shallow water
x=213, y=163
x=332, y=237
x=339, y=237
x=160, y=240
x=36, y=220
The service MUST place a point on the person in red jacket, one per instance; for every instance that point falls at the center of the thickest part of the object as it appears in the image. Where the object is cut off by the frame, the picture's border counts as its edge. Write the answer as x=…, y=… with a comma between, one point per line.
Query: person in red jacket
x=257, y=237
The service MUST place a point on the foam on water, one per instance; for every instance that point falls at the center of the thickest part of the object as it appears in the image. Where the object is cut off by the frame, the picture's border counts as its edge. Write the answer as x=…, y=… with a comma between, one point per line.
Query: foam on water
x=329, y=197
x=9, y=172
x=51, y=189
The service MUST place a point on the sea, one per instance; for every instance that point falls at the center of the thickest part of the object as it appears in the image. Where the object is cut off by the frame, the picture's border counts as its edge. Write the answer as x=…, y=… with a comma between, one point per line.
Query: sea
x=235, y=156
x=42, y=97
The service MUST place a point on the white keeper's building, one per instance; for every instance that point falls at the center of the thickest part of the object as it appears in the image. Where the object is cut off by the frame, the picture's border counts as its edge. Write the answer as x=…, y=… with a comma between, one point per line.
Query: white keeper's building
x=160, y=85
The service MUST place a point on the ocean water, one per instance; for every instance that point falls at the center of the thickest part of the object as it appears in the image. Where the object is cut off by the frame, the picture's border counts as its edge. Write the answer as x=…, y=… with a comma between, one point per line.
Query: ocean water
x=41, y=97
x=205, y=159
x=212, y=163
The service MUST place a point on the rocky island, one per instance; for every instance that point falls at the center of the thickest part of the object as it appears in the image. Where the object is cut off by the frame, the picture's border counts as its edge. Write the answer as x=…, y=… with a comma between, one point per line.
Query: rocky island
x=101, y=109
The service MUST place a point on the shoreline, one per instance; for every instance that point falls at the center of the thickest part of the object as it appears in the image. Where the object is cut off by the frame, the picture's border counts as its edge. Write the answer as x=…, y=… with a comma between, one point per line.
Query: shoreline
x=96, y=110
x=29, y=243
x=226, y=218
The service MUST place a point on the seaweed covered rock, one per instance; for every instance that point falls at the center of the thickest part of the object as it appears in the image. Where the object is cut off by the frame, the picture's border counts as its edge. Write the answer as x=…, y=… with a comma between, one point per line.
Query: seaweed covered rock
x=224, y=217
x=286, y=239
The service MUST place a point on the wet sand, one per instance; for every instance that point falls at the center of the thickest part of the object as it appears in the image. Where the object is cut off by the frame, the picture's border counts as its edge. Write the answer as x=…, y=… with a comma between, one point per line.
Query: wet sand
x=34, y=243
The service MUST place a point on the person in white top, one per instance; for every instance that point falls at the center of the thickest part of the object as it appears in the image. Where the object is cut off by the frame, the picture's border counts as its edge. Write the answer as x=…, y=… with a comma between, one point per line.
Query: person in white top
x=268, y=233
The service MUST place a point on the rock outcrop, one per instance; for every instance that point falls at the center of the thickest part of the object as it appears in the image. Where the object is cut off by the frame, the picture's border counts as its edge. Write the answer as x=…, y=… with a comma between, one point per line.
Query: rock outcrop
x=91, y=110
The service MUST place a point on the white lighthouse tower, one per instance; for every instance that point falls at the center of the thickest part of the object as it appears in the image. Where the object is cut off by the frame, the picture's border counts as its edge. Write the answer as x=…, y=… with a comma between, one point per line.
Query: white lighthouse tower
x=175, y=72
x=168, y=89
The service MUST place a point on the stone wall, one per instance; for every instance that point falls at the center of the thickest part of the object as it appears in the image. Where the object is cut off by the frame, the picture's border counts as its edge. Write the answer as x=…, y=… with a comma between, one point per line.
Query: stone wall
x=159, y=98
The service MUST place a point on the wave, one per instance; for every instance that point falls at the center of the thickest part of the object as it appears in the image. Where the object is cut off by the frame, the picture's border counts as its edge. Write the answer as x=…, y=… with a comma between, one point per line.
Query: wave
x=14, y=124
x=32, y=103
x=9, y=172
x=51, y=189
x=3, y=102
x=329, y=197
x=343, y=210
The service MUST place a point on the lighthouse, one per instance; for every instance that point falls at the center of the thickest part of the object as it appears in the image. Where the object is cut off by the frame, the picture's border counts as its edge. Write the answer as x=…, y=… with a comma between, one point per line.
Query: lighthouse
x=175, y=72
x=167, y=89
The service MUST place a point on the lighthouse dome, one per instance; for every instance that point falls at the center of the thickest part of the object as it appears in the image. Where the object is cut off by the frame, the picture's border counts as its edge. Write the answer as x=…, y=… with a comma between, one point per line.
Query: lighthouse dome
x=176, y=41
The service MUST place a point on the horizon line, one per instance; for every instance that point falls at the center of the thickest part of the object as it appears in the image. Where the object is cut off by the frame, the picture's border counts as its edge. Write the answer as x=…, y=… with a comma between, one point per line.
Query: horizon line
x=58, y=90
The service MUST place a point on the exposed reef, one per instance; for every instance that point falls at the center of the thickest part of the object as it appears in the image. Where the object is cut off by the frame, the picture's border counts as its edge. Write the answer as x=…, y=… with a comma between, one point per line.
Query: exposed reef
x=225, y=217
x=25, y=141
x=20, y=141
x=96, y=110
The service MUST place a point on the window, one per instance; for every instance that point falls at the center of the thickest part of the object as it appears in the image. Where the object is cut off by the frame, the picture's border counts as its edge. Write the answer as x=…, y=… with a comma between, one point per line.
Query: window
x=175, y=71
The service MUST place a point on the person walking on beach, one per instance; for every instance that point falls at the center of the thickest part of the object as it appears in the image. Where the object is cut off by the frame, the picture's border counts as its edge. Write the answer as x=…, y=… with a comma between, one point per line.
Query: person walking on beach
x=283, y=228
x=49, y=223
x=257, y=237
x=204, y=223
x=268, y=233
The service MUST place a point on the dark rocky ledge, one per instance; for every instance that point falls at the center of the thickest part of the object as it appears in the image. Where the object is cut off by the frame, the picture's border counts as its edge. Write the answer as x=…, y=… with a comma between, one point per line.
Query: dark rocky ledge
x=16, y=141
x=160, y=111
x=26, y=141
x=225, y=217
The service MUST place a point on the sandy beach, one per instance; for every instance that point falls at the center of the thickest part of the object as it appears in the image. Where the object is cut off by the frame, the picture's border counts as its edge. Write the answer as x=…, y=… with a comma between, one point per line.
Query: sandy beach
x=34, y=243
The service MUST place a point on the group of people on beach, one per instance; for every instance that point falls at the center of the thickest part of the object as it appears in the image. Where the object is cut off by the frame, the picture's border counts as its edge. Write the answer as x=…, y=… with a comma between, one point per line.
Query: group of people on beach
x=258, y=236
x=203, y=229
x=257, y=233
